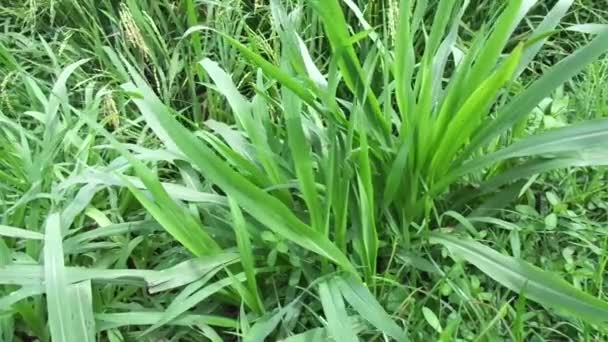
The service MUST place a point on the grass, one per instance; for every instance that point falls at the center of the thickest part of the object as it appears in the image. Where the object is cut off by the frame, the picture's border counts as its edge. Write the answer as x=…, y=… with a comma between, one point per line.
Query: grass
x=317, y=170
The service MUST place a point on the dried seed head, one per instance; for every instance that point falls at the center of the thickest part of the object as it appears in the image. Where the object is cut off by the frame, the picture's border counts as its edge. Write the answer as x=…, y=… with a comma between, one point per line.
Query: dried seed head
x=64, y=43
x=4, y=98
x=393, y=20
x=131, y=31
x=111, y=111
x=257, y=4
x=31, y=13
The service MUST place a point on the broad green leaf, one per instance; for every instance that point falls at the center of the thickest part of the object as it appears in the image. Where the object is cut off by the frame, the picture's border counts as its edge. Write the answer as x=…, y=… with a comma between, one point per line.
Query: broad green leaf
x=55, y=281
x=539, y=285
x=68, y=306
x=431, y=319
x=81, y=300
x=19, y=233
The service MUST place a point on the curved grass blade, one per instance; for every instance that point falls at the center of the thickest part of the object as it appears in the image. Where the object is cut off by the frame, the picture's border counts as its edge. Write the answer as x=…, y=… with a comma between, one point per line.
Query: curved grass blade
x=269, y=69
x=19, y=233
x=541, y=286
x=359, y=297
x=468, y=118
x=525, y=102
x=265, y=326
x=175, y=219
x=562, y=143
x=548, y=24
x=264, y=207
x=337, y=31
x=338, y=323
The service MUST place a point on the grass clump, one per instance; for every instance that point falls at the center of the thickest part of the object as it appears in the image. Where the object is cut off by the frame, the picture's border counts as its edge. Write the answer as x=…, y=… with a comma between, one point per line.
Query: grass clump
x=222, y=182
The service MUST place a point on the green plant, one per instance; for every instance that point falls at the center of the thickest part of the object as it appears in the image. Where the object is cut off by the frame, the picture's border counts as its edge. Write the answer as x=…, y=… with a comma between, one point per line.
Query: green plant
x=360, y=184
x=353, y=168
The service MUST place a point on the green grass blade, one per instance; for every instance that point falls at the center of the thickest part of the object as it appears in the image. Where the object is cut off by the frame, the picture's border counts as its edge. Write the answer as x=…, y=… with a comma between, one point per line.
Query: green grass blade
x=269, y=69
x=265, y=208
x=239, y=104
x=338, y=322
x=404, y=61
x=181, y=305
x=107, y=321
x=367, y=210
x=359, y=297
x=19, y=233
x=548, y=24
x=173, y=217
x=541, y=286
x=188, y=271
x=394, y=178
x=302, y=157
x=266, y=325
x=246, y=114
x=336, y=29
x=468, y=118
x=495, y=43
x=81, y=299
x=69, y=306
x=525, y=102
x=570, y=140
x=246, y=253
x=585, y=158
x=316, y=334
x=21, y=294
x=56, y=284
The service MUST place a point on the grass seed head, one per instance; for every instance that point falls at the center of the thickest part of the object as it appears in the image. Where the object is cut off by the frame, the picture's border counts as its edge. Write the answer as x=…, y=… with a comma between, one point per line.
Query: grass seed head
x=111, y=111
x=131, y=31
x=393, y=20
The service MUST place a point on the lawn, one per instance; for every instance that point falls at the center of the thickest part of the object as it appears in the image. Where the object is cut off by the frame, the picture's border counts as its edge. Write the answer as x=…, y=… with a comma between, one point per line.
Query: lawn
x=310, y=170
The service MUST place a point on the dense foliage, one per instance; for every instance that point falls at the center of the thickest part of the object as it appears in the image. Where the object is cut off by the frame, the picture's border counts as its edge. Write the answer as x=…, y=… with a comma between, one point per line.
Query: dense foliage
x=303, y=170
